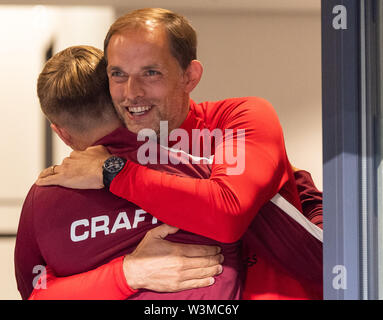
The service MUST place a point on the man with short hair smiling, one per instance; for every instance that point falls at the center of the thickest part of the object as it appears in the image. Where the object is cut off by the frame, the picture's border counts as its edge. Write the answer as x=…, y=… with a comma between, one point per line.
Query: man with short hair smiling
x=152, y=69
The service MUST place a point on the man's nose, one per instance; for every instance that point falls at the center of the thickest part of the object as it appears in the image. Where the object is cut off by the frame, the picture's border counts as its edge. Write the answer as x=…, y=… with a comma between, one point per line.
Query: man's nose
x=133, y=88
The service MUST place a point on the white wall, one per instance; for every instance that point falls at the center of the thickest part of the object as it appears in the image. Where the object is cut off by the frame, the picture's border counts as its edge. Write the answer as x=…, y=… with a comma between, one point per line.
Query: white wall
x=21, y=129
x=273, y=55
x=21, y=126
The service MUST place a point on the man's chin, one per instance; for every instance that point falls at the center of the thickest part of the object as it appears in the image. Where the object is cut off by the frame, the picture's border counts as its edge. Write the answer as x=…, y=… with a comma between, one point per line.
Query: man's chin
x=135, y=128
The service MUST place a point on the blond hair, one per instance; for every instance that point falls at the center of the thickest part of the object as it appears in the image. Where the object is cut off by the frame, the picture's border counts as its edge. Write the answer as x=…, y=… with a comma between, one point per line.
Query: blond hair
x=73, y=88
x=182, y=37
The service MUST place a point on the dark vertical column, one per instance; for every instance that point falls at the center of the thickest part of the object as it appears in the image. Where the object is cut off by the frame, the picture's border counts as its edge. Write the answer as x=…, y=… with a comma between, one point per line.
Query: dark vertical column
x=341, y=102
x=371, y=61
x=48, y=136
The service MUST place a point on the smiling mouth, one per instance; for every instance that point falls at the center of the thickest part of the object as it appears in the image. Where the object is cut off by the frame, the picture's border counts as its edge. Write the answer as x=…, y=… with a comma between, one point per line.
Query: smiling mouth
x=139, y=111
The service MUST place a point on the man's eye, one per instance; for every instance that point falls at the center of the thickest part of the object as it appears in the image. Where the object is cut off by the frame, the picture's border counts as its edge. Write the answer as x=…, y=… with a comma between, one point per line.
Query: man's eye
x=116, y=74
x=152, y=73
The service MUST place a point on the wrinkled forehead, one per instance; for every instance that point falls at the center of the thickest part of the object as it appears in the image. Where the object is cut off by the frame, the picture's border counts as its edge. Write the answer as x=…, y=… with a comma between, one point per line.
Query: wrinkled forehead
x=150, y=33
x=132, y=45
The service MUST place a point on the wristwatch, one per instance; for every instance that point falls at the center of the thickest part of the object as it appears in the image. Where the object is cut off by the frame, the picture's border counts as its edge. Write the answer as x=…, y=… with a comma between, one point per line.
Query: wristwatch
x=111, y=168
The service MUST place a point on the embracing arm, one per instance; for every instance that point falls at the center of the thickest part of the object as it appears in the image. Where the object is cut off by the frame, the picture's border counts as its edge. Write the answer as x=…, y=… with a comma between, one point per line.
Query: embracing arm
x=106, y=282
x=156, y=264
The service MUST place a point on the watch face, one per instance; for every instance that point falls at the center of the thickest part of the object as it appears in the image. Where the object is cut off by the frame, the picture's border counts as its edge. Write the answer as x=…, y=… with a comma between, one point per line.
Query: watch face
x=114, y=164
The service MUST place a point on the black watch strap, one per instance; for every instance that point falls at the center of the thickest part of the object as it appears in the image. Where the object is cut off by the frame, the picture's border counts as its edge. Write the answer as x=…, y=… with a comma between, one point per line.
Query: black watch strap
x=111, y=168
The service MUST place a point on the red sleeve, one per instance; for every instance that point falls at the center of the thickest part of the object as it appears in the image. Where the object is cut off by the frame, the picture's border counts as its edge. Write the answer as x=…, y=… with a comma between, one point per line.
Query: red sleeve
x=310, y=196
x=106, y=282
x=222, y=206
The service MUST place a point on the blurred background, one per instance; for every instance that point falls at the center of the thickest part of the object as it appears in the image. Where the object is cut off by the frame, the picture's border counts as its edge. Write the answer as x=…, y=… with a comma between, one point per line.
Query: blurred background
x=266, y=48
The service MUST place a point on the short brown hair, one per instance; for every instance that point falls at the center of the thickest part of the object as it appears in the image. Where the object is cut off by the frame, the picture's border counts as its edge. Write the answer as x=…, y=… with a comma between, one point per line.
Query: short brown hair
x=73, y=88
x=182, y=36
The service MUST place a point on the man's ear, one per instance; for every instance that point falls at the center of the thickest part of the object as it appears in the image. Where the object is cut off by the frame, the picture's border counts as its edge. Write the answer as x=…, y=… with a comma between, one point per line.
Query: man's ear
x=63, y=134
x=193, y=75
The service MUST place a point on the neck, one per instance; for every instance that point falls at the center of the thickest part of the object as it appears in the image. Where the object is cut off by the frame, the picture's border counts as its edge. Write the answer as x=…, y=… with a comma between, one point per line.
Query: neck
x=94, y=135
x=105, y=130
x=184, y=114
